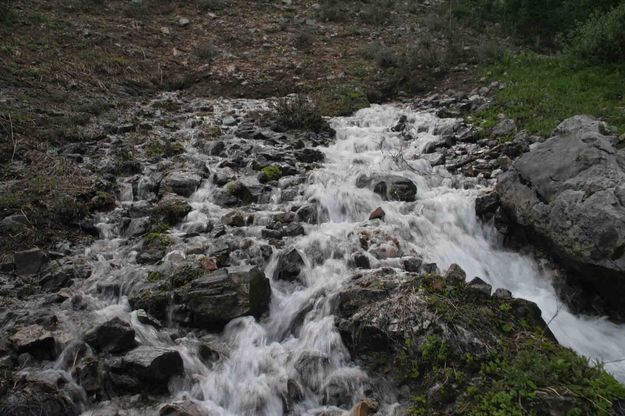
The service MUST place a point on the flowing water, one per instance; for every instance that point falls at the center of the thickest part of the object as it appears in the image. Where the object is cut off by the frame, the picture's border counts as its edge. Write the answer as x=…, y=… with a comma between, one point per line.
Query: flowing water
x=265, y=357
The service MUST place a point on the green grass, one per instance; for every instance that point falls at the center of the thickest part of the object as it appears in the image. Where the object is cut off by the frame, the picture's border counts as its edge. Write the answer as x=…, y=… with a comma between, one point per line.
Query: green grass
x=542, y=91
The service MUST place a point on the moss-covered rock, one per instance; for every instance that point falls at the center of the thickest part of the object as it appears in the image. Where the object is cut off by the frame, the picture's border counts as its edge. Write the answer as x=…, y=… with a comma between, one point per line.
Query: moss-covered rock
x=461, y=351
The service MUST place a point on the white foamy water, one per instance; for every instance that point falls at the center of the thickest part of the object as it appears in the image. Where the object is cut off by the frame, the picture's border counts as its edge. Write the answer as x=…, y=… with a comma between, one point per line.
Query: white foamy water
x=297, y=344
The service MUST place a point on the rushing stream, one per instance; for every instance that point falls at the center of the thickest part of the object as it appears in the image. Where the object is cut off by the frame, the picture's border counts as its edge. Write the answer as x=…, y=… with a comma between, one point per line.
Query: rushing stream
x=265, y=357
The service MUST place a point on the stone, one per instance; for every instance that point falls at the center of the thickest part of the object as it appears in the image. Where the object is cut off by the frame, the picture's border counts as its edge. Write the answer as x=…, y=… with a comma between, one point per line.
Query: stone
x=486, y=205
x=216, y=298
x=309, y=155
x=147, y=319
x=229, y=121
x=361, y=261
x=29, y=262
x=502, y=293
x=377, y=213
x=209, y=263
x=431, y=268
x=114, y=336
x=173, y=208
x=479, y=285
x=455, y=273
x=503, y=128
x=308, y=213
x=181, y=183
x=289, y=266
x=36, y=341
x=412, y=264
x=183, y=21
x=137, y=227
x=389, y=187
x=233, y=219
x=152, y=367
x=38, y=397
x=567, y=195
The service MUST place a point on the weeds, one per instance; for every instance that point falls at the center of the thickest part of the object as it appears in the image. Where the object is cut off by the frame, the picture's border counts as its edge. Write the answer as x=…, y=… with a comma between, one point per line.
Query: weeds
x=299, y=113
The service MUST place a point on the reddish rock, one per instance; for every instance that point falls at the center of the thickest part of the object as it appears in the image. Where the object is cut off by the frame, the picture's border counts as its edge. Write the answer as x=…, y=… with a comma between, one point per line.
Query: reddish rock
x=377, y=213
x=209, y=264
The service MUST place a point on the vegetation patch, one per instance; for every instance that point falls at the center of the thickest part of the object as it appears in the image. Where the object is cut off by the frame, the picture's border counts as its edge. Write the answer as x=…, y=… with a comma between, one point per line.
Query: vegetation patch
x=541, y=91
x=272, y=172
x=299, y=113
x=519, y=370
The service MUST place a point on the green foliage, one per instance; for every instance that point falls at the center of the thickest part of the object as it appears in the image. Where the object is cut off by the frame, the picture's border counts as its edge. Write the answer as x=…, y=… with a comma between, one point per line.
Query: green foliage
x=299, y=113
x=157, y=237
x=519, y=371
x=601, y=39
x=517, y=381
x=344, y=100
x=542, y=91
x=537, y=20
x=272, y=172
x=157, y=148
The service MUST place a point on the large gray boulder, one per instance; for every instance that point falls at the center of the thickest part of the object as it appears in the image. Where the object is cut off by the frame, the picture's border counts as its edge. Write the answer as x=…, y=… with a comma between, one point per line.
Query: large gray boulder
x=207, y=300
x=568, y=195
x=389, y=187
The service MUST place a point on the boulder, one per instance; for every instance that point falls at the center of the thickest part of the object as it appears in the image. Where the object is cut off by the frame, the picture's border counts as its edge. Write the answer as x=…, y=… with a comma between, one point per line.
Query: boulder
x=181, y=183
x=567, y=195
x=289, y=267
x=34, y=340
x=389, y=187
x=152, y=367
x=114, y=336
x=309, y=155
x=172, y=208
x=30, y=397
x=29, y=262
x=214, y=299
x=233, y=219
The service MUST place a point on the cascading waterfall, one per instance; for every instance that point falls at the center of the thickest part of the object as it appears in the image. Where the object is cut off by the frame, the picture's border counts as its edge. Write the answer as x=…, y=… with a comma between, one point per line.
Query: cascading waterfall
x=297, y=342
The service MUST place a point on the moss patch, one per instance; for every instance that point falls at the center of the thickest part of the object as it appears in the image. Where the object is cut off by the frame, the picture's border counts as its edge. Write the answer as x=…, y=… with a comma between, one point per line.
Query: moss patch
x=272, y=172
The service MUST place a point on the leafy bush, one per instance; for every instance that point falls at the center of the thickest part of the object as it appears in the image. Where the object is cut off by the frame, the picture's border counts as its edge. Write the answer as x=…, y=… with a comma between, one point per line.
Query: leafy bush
x=299, y=113
x=601, y=39
x=538, y=20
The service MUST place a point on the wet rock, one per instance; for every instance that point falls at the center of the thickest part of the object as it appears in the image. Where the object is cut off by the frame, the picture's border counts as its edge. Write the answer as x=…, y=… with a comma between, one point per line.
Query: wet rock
x=309, y=213
x=172, y=208
x=87, y=373
x=147, y=319
x=233, y=219
x=309, y=155
x=114, y=336
x=209, y=263
x=486, y=205
x=361, y=261
x=216, y=298
x=503, y=128
x=479, y=285
x=277, y=230
x=29, y=261
x=567, y=196
x=181, y=183
x=289, y=267
x=456, y=273
x=502, y=294
x=377, y=213
x=235, y=193
x=186, y=408
x=36, y=341
x=152, y=367
x=412, y=264
x=429, y=268
x=365, y=407
x=137, y=226
x=389, y=187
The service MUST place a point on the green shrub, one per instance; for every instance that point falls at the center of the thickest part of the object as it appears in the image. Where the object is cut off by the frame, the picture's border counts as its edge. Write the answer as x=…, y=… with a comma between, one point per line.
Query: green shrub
x=536, y=20
x=304, y=39
x=601, y=39
x=299, y=113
